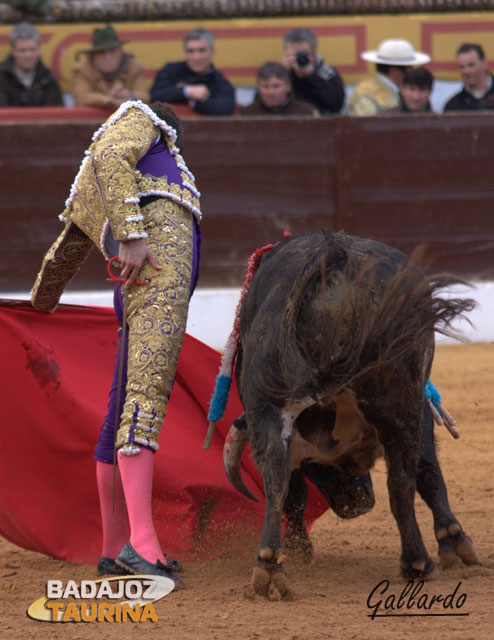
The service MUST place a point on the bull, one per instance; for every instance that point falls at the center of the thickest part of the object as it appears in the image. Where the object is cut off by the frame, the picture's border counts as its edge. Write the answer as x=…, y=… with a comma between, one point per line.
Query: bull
x=336, y=342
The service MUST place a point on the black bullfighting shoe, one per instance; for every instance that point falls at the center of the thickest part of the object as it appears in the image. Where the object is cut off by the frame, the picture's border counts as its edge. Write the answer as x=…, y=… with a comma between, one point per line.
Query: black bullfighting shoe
x=129, y=559
x=108, y=566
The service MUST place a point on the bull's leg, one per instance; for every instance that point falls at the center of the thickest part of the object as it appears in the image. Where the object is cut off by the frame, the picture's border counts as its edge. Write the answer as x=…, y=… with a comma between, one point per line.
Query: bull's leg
x=401, y=446
x=296, y=537
x=453, y=543
x=270, y=441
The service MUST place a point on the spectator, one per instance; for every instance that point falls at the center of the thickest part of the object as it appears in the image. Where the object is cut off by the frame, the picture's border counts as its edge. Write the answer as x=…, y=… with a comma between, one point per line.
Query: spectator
x=312, y=79
x=275, y=96
x=106, y=75
x=382, y=91
x=196, y=81
x=478, y=90
x=24, y=79
x=415, y=92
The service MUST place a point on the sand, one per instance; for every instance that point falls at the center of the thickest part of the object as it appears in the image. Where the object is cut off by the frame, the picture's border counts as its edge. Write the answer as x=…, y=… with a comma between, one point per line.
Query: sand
x=350, y=557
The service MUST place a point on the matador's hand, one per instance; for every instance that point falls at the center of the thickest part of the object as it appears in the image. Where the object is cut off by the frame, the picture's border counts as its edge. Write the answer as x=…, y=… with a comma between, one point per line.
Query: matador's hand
x=132, y=255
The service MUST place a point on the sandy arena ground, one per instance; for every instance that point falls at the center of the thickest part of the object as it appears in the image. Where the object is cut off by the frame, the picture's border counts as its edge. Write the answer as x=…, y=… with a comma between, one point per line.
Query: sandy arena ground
x=351, y=557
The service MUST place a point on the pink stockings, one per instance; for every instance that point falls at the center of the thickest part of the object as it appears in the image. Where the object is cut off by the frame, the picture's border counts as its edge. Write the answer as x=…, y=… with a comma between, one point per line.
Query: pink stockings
x=133, y=485
x=114, y=521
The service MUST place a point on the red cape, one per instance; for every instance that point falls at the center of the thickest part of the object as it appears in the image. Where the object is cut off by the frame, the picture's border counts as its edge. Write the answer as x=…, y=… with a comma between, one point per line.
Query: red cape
x=56, y=374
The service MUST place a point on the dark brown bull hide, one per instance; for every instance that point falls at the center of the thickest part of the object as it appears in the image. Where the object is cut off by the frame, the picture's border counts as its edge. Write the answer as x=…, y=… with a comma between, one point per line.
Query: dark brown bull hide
x=336, y=345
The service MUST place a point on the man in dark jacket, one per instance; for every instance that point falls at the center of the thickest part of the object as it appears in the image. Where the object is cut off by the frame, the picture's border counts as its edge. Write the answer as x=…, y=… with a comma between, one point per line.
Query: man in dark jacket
x=313, y=80
x=195, y=81
x=24, y=79
x=478, y=91
x=274, y=95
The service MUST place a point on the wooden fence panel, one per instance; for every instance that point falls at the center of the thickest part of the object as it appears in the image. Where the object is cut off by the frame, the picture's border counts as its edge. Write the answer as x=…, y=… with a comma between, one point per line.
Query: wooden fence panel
x=403, y=180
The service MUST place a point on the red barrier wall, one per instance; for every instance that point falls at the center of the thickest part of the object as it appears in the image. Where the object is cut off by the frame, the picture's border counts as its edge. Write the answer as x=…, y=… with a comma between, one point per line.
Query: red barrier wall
x=403, y=180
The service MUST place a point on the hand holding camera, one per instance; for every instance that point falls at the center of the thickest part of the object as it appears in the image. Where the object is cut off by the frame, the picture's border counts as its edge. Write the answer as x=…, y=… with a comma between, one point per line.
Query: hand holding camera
x=302, y=58
x=302, y=62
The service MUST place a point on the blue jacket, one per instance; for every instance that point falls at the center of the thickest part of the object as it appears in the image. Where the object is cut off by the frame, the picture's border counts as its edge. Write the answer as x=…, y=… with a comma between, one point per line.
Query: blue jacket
x=169, y=83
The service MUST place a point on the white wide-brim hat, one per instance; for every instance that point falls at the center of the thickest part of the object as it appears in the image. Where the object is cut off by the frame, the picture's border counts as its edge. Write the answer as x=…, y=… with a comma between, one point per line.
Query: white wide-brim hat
x=396, y=53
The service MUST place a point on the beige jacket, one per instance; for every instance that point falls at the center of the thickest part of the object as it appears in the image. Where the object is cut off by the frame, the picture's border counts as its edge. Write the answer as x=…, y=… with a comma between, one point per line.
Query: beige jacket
x=90, y=88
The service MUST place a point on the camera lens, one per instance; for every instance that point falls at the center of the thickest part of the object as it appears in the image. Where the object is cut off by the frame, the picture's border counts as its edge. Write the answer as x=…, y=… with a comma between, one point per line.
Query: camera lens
x=302, y=58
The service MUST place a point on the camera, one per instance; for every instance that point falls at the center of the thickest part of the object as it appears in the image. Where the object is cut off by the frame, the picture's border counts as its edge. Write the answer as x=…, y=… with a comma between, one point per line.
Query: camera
x=302, y=58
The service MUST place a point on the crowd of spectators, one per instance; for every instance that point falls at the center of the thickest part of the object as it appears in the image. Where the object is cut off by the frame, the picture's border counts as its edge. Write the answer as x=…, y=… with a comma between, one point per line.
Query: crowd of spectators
x=302, y=83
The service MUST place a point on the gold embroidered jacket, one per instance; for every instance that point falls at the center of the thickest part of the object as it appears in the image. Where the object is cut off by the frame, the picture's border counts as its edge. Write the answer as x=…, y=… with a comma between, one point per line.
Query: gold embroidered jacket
x=108, y=187
x=371, y=96
x=106, y=193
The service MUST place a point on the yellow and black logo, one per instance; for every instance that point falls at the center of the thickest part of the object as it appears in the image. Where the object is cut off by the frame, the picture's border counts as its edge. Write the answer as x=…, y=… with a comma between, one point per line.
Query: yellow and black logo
x=119, y=599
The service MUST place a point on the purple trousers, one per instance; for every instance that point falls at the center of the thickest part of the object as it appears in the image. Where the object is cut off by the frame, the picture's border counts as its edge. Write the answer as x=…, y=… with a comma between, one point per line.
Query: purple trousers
x=106, y=441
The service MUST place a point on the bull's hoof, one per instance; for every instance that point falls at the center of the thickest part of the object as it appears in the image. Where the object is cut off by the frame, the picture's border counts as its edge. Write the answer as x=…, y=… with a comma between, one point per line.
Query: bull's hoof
x=454, y=545
x=422, y=570
x=268, y=576
x=271, y=583
x=298, y=542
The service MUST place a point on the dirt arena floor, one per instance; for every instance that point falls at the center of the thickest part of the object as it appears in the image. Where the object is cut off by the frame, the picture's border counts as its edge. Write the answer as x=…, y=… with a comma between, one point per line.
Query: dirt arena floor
x=351, y=557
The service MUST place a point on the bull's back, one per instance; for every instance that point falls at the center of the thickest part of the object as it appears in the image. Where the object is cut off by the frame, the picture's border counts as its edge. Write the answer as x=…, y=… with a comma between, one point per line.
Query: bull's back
x=302, y=264
x=318, y=306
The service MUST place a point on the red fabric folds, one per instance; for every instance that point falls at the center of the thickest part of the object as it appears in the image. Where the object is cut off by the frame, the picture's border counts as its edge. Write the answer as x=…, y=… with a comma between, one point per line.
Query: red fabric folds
x=56, y=376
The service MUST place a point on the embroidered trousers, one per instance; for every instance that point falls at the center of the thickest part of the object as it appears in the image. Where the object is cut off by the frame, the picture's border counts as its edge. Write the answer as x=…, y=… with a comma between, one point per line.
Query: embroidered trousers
x=156, y=319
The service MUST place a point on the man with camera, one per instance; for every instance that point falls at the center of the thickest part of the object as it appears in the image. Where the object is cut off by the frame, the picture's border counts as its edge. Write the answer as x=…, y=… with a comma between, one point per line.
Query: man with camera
x=313, y=80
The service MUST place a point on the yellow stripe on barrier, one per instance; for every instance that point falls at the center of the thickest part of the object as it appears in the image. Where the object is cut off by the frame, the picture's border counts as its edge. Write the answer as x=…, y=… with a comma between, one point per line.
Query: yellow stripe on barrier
x=243, y=44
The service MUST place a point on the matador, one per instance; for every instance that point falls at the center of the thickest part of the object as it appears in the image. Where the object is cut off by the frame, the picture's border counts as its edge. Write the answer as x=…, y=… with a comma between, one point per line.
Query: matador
x=134, y=197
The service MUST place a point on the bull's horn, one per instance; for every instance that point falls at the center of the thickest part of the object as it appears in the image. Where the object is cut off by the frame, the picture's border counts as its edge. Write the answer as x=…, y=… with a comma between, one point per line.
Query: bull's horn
x=232, y=454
